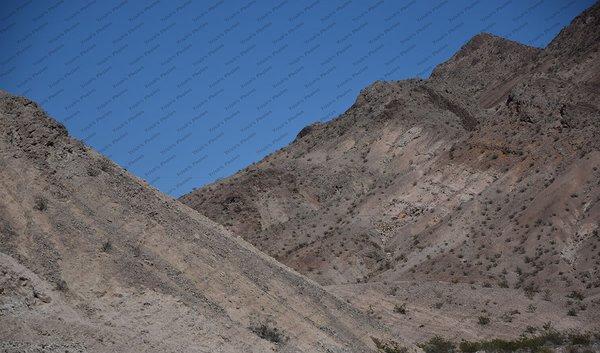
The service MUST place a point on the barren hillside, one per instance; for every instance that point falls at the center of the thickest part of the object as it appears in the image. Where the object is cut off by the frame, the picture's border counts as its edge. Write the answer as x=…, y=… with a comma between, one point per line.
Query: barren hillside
x=93, y=259
x=486, y=175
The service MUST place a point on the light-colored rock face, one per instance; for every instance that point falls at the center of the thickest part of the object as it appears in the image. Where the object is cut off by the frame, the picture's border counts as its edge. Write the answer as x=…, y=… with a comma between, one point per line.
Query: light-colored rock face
x=93, y=259
x=487, y=173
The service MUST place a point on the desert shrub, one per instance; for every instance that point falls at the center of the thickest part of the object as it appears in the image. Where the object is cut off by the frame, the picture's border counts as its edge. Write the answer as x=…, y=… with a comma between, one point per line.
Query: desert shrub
x=495, y=345
x=438, y=344
x=105, y=165
x=530, y=291
x=507, y=316
x=400, y=309
x=267, y=332
x=579, y=338
x=469, y=347
x=536, y=344
x=530, y=329
x=483, y=320
x=40, y=203
x=92, y=171
x=61, y=285
x=389, y=346
x=577, y=295
x=107, y=246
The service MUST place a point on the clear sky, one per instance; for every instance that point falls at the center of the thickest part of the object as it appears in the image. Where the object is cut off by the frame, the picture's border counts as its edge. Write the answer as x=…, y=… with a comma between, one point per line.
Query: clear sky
x=184, y=92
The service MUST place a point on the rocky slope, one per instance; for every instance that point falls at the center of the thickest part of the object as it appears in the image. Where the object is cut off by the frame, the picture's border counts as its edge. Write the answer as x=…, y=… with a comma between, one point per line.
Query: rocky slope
x=93, y=259
x=486, y=175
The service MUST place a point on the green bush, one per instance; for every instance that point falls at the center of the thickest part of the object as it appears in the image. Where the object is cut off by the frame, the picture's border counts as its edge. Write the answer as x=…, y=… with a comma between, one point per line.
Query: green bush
x=579, y=338
x=438, y=344
x=542, y=343
x=531, y=344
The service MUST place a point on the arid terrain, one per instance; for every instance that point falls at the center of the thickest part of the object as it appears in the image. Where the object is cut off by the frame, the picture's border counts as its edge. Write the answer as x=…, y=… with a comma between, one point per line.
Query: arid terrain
x=93, y=259
x=473, y=193
x=465, y=206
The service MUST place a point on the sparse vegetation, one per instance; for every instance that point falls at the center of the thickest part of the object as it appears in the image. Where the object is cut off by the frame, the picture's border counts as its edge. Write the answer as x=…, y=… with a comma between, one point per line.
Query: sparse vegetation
x=105, y=165
x=267, y=332
x=400, y=309
x=40, y=203
x=508, y=316
x=438, y=344
x=107, y=246
x=547, y=295
x=61, y=285
x=389, y=346
x=535, y=344
x=577, y=295
x=92, y=171
x=483, y=320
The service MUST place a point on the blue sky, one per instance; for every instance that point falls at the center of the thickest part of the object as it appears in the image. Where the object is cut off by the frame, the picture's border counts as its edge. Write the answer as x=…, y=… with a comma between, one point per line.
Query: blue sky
x=182, y=93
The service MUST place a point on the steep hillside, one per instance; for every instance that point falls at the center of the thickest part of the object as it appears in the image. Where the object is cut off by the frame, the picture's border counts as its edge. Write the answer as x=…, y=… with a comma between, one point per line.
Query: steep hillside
x=93, y=259
x=485, y=175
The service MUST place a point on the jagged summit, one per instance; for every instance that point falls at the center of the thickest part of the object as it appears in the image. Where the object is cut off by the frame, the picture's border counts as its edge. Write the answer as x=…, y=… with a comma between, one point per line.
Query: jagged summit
x=580, y=36
x=484, y=61
x=36, y=134
x=573, y=54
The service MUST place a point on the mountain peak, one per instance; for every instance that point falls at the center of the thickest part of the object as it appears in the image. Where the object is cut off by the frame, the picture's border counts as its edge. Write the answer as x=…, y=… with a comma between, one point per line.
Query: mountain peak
x=482, y=177
x=481, y=61
x=30, y=128
x=581, y=35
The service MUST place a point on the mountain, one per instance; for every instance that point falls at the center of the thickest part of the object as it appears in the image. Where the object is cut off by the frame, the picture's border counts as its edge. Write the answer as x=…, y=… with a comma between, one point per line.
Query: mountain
x=474, y=192
x=94, y=259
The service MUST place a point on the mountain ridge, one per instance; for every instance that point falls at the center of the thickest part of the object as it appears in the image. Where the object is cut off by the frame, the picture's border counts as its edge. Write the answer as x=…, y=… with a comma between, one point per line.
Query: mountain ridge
x=465, y=206
x=483, y=175
x=93, y=258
